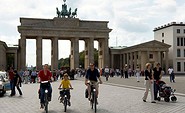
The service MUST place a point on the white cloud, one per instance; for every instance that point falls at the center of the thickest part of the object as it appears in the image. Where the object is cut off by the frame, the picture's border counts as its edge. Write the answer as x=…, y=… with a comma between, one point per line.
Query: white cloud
x=132, y=21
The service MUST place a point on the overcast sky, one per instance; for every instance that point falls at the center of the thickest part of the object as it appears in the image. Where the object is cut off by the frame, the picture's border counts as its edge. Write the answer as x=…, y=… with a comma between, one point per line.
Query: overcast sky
x=132, y=21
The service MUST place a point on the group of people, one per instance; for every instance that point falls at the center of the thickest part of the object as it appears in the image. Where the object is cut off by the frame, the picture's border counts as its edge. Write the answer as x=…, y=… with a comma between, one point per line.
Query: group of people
x=15, y=81
x=92, y=76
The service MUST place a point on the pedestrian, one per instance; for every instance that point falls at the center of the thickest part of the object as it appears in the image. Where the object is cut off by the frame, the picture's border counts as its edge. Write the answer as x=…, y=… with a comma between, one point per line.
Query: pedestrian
x=172, y=76
x=157, y=73
x=149, y=83
x=33, y=76
x=11, y=79
x=122, y=73
x=17, y=81
x=138, y=72
x=107, y=73
x=130, y=71
x=126, y=71
x=25, y=76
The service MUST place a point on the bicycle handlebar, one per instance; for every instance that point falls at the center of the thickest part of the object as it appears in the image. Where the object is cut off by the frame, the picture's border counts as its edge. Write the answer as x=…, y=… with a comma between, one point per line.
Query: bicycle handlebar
x=65, y=88
x=44, y=81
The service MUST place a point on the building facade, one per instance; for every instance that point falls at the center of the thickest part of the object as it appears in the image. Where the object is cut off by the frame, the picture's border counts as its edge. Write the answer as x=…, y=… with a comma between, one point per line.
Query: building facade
x=173, y=34
x=8, y=55
x=138, y=55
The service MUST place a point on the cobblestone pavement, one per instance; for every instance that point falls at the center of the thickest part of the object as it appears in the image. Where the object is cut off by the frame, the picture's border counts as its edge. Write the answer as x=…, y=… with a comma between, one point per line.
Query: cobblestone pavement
x=179, y=85
x=112, y=99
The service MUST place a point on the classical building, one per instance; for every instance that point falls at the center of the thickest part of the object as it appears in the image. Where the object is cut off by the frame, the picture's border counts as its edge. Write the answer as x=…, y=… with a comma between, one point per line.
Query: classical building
x=138, y=55
x=71, y=29
x=173, y=34
x=8, y=55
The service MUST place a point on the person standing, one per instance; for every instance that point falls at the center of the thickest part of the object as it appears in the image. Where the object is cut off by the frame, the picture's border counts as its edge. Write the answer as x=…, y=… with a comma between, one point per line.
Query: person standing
x=149, y=83
x=25, y=76
x=107, y=73
x=17, y=81
x=157, y=73
x=126, y=71
x=11, y=79
x=137, y=71
x=172, y=77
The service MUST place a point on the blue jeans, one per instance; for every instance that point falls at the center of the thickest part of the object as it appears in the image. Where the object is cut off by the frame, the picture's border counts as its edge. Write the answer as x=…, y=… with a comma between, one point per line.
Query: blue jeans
x=12, y=86
x=42, y=92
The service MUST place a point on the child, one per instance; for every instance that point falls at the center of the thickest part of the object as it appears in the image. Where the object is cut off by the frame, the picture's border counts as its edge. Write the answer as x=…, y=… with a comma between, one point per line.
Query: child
x=65, y=85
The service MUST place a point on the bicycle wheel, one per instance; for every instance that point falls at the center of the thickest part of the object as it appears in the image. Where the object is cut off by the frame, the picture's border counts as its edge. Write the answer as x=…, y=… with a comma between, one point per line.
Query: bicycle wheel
x=65, y=104
x=92, y=100
x=46, y=103
x=95, y=102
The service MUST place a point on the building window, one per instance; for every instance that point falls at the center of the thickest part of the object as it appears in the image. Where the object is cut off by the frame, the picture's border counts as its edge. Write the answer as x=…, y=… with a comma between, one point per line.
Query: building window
x=178, y=66
x=162, y=34
x=184, y=52
x=178, y=30
x=101, y=53
x=184, y=30
x=178, y=53
x=184, y=41
x=151, y=56
x=184, y=66
x=163, y=41
x=137, y=56
x=178, y=41
x=181, y=41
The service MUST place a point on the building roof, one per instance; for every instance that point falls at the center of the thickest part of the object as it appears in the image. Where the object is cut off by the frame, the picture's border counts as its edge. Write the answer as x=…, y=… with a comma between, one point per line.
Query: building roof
x=118, y=47
x=152, y=45
x=169, y=25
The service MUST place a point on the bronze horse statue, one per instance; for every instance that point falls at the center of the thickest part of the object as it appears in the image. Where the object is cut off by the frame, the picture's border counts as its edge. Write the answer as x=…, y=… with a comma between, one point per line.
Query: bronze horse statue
x=74, y=13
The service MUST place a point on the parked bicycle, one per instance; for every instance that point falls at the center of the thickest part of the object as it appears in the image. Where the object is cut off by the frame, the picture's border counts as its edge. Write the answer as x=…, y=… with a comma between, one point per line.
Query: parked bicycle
x=64, y=97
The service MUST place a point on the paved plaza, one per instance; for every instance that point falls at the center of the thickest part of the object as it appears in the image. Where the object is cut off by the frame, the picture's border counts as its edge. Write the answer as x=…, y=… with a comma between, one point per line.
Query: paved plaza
x=112, y=99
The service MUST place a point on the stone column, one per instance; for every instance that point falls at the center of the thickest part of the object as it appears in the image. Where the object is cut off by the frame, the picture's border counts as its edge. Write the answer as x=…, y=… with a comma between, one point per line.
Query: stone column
x=127, y=59
x=89, y=51
x=39, y=53
x=139, y=60
x=166, y=60
x=106, y=53
x=121, y=61
x=15, y=60
x=74, y=61
x=100, y=53
x=131, y=60
x=112, y=60
x=135, y=60
x=159, y=57
x=54, y=53
x=19, y=56
x=23, y=52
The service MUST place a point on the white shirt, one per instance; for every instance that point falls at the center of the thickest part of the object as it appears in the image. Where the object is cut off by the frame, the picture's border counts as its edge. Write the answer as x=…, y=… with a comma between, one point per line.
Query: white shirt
x=170, y=70
x=107, y=70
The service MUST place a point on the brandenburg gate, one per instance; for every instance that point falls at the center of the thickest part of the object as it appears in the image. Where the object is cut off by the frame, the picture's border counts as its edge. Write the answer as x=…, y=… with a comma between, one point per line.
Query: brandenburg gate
x=64, y=28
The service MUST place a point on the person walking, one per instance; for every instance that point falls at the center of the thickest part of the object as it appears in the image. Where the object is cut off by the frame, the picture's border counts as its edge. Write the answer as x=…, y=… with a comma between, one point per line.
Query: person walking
x=148, y=83
x=107, y=73
x=17, y=81
x=172, y=77
x=11, y=79
x=157, y=73
x=138, y=72
x=126, y=71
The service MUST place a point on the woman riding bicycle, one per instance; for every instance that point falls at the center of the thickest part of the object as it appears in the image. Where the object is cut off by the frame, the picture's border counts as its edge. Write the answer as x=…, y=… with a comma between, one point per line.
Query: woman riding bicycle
x=45, y=75
x=92, y=75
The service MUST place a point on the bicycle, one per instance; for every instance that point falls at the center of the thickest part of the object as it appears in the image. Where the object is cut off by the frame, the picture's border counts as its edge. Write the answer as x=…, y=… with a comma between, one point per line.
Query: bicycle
x=46, y=101
x=64, y=97
x=93, y=96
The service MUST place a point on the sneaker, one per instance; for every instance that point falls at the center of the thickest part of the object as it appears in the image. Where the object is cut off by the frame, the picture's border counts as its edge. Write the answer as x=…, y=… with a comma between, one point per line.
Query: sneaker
x=69, y=103
x=41, y=106
x=153, y=102
x=144, y=100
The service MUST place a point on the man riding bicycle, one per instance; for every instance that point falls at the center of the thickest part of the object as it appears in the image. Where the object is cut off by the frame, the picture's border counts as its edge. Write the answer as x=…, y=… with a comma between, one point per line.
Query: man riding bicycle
x=92, y=76
x=45, y=75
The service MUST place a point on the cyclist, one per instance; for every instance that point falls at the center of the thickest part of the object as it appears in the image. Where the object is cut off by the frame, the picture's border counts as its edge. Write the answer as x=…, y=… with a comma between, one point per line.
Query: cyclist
x=92, y=76
x=45, y=75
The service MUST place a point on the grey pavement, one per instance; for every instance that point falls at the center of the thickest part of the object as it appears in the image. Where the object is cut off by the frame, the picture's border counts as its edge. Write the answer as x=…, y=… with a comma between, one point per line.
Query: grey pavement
x=112, y=99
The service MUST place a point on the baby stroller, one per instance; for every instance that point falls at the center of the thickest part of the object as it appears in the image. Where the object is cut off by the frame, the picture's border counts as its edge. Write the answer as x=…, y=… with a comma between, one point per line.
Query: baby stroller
x=165, y=91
